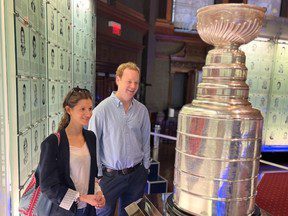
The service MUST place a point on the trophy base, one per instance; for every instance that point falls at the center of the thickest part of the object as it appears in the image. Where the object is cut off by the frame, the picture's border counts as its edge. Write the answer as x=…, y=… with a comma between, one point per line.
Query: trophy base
x=173, y=210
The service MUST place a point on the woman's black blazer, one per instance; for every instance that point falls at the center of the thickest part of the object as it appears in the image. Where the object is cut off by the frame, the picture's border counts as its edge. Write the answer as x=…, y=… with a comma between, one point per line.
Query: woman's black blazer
x=54, y=171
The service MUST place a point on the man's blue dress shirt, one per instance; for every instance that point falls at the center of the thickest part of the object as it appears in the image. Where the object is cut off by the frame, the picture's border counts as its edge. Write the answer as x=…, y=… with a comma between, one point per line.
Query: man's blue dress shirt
x=123, y=139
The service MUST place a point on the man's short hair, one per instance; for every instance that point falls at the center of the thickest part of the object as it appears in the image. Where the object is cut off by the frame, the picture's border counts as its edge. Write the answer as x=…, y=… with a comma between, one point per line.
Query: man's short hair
x=123, y=66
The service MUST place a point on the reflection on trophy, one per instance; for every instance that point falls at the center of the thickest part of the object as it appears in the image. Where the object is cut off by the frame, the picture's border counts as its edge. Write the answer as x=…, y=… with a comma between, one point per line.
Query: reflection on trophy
x=219, y=134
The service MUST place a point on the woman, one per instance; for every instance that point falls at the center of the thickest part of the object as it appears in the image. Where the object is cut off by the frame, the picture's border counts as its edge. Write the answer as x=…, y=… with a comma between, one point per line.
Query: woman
x=68, y=171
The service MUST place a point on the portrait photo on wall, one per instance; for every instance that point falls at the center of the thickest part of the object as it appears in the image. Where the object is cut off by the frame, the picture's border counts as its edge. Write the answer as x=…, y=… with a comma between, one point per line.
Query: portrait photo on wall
x=23, y=100
x=43, y=99
x=36, y=142
x=69, y=35
x=279, y=86
x=34, y=53
x=61, y=59
x=69, y=64
x=22, y=38
x=24, y=148
x=53, y=124
x=77, y=67
x=53, y=97
x=42, y=57
x=264, y=85
x=41, y=17
x=33, y=8
x=52, y=61
x=43, y=130
x=52, y=23
x=281, y=51
x=35, y=100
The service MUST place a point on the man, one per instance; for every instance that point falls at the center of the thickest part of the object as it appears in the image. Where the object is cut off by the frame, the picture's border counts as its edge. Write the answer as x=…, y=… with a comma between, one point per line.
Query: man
x=122, y=128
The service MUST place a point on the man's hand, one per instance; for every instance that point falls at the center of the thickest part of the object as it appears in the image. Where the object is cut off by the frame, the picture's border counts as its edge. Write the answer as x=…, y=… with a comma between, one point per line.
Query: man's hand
x=100, y=199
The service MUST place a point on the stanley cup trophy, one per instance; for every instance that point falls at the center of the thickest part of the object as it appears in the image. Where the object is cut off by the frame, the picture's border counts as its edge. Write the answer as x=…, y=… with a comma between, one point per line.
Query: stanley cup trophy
x=219, y=133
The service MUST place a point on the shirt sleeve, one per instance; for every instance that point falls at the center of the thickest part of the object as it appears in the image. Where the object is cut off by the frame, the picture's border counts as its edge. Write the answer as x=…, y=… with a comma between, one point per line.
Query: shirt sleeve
x=146, y=128
x=50, y=183
x=95, y=125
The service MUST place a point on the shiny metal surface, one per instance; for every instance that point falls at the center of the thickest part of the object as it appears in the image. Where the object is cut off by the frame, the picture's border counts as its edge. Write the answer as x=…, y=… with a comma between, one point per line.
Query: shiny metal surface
x=224, y=24
x=219, y=133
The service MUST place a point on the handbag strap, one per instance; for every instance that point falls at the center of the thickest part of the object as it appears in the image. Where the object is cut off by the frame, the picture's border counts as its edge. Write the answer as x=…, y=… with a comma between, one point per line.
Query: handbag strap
x=37, y=169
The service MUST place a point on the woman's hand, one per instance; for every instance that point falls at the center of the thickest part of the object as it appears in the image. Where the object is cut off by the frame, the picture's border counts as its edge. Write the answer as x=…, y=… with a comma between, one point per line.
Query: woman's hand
x=97, y=200
x=100, y=199
x=89, y=198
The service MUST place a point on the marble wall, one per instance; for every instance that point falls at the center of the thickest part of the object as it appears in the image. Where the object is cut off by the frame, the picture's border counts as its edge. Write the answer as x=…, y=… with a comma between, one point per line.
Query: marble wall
x=55, y=51
x=267, y=63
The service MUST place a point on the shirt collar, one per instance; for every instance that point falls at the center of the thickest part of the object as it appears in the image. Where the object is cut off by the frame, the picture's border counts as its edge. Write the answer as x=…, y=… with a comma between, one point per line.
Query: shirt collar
x=116, y=100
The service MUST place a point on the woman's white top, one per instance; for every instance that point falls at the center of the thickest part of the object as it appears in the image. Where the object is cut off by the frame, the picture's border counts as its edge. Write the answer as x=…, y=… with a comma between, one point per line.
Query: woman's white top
x=80, y=162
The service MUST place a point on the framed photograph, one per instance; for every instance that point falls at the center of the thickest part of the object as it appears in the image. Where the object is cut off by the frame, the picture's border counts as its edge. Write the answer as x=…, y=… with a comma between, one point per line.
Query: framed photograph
x=53, y=124
x=279, y=69
x=262, y=103
x=52, y=21
x=33, y=13
x=61, y=62
x=53, y=97
x=85, y=46
x=281, y=52
x=77, y=67
x=77, y=13
x=62, y=94
x=69, y=66
x=34, y=53
x=35, y=100
x=36, y=145
x=77, y=40
x=61, y=29
x=43, y=126
x=263, y=85
x=22, y=42
x=52, y=62
x=43, y=99
x=42, y=17
x=23, y=100
x=69, y=36
x=278, y=86
x=42, y=57
x=24, y=152
x=271, y=136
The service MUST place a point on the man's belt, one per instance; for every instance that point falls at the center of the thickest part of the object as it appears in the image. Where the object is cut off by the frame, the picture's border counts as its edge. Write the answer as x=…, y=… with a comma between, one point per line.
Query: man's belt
x=123, y=171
